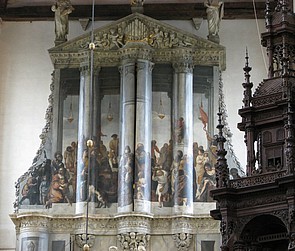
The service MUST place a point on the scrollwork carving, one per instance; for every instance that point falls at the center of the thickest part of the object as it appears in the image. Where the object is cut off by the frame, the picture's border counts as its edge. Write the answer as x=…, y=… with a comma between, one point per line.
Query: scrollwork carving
x=227, y=228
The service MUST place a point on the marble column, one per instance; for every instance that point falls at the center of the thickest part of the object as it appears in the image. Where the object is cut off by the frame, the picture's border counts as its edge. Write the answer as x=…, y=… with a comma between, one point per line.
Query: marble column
x=97, y=97
x=57, y=123
x=134, y=190
x=143, y=129
x=182, y=172
x=34, y=236
x=127, y=137
x=86, y=159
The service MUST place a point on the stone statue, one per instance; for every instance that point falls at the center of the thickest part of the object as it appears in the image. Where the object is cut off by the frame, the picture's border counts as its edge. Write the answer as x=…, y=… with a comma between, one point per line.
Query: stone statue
x=214, y=15
x=137, y=6
x=62, y=9
x=136, y=3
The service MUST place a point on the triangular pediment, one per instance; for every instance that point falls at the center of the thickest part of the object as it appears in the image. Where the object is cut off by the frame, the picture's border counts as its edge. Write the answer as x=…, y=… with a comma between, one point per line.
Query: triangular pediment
x=138, y=28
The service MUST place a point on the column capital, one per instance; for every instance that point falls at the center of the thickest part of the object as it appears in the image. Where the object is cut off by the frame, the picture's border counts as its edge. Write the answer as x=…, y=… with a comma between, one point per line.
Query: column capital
x=184, y=67
x=136, y=50
x=85, y=67
x=183, y=61
x=141, y=64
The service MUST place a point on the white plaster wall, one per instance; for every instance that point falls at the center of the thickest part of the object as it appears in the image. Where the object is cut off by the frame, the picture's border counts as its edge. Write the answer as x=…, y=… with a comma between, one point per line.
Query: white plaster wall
x=25, y=76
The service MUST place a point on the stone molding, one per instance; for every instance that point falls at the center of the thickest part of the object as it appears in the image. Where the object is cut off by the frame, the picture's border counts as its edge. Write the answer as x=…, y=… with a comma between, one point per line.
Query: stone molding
x=106, y=225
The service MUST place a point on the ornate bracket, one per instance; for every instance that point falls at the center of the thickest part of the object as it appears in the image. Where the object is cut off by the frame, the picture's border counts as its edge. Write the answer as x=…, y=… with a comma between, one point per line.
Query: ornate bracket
x=182, y=241
x=134, y=241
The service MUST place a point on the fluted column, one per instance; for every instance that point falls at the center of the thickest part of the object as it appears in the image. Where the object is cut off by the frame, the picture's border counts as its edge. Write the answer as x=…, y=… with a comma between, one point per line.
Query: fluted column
x=182, y=172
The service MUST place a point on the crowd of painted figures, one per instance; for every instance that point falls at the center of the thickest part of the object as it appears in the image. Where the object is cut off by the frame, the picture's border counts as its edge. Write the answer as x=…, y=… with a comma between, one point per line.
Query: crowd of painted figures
x=58, y=181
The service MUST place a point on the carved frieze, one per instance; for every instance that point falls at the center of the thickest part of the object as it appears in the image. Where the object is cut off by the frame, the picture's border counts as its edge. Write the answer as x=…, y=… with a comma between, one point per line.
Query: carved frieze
x=270, y=99
x=183, y=224
x=35, y=223
x=259, y=201
x=133, y=223
x=256, y=180
x=265, y=115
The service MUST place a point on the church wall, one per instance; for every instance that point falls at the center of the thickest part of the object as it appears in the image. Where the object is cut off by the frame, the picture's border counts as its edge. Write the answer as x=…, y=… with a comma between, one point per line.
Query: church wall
x=25, y=76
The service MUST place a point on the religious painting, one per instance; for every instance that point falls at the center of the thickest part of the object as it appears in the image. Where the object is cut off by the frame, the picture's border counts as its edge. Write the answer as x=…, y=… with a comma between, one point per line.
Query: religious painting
x=117, y=161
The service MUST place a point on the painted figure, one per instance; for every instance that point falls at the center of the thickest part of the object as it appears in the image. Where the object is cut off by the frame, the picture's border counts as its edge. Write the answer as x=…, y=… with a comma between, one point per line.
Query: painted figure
x=154, y=150
x=181, y=189
x=113, y=153
x=163, y=159
x=43, y=189
x=161, y=176
x=179, y=130
x=126, y=167
x=57, y=162
x=174, y=169
x=208, y=183
x=199, y=167
x=30, y=191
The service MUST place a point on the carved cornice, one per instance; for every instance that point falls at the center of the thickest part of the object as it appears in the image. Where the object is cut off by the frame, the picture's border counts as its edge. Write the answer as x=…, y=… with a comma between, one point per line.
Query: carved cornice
x=105, y=225
x=114, y=58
